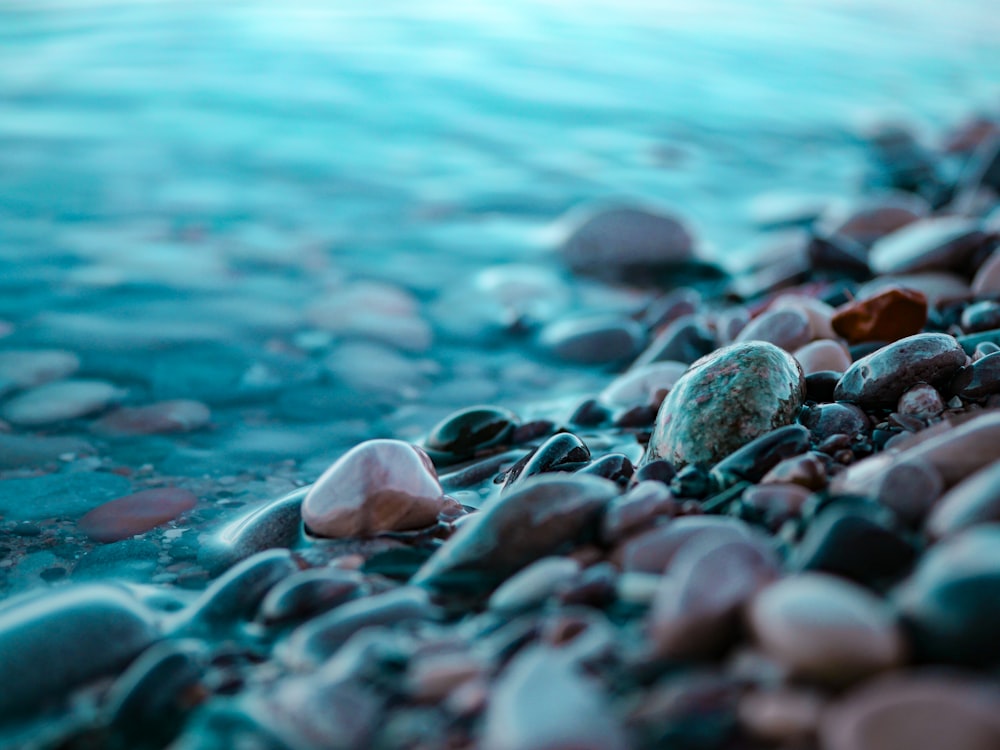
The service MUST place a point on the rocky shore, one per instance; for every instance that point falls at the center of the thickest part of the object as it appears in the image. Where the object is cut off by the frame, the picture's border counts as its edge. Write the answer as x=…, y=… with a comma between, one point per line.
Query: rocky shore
x=767, y=517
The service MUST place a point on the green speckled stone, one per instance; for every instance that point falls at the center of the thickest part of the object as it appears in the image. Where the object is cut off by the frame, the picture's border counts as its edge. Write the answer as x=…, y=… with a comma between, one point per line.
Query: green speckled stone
x=724, y=401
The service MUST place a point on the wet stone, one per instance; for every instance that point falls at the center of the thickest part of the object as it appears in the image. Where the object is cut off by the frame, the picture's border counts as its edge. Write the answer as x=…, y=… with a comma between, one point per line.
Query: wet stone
x=66, y=495
x=57, y=402
x=643, y=385
x=726, y=400
x=135, y=514
x=839, y=256
x=921, y=400
x=887, y=316
x=826, y=629
x=593, y=340
x=880, y=378
x=973, y=501
x=787, y=328
x=465, y=432
x=308, y=593
x=614, y=466
x=533, y=585
x=164, y=418
x=685, y=340
x=524, y=715
x=536, y=519
x=981, y=316
x=909, y=489
x=127, y=560
x=561, y=452
x=942, y=243
x=760, y=455
x=52, y=643
x=637, y=509
x=879, y=217
x=987, y=278
x=654, y=550
x=978, y=380
x=379, y=485
x=915, y=711
x=826, y=420
x=822, y=355
x=809, y=470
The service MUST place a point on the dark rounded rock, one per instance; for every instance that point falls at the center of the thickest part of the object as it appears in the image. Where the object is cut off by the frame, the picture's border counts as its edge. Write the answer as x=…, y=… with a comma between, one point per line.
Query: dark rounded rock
x=973, y=501
x=824, y=420
x=536, y=519
x=636, y=509
x=760, y=455
x=614, y=466
x=978, y=380
x=840, y=257
x=821, y=385
x=981, y=316
x=879, y=379
x=308, y=593
x=53, y=643
x=469, y=430
x=726, y=400
x=657, y=471
x=593, y=340
x=685, y=340
x=561, y=452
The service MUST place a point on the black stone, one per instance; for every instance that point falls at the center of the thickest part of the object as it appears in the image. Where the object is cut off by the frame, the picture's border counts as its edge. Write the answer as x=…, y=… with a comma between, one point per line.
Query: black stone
x=820, y=385
x=978, y=380
x=759, y=456
x=467, y=431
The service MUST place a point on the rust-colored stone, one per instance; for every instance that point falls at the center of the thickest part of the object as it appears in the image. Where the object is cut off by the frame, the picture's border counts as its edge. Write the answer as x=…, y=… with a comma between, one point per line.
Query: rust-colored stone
x=888, y=316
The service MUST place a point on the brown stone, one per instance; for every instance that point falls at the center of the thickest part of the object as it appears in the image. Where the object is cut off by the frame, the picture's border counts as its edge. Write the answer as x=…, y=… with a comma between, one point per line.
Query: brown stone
x=887, y=316
x=972, y=501
x=135, y=514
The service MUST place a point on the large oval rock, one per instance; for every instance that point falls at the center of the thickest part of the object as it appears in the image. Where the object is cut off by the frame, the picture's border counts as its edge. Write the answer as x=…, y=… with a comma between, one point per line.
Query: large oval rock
x=54, y=643
x=726, y=400
x=536, y=519
x=380, y=485
x=621, y=244
x=879, y=379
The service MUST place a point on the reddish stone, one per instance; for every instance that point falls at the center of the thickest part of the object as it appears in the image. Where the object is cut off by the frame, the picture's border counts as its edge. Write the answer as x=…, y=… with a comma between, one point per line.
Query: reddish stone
x=888, y=316
x=127, y=516
x=161, y=418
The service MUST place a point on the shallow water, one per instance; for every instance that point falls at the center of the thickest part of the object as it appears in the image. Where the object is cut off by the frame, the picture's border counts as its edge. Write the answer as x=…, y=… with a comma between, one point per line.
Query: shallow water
x=191, y=195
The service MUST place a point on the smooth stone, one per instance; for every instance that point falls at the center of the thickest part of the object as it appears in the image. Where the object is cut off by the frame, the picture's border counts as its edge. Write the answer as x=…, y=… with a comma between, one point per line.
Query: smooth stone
x=909, y=489
x=915, y=712
x=535, y=519
x=786, y=327
x=65, y=495
x=379, y=485
x=31, y=368
x=921, y=400
x=163, y=418
x=654, y=550
x=821, y=385
x=593, y=340
x=307, y=593
x=671, y=306
x=839, y=256
x=760, y=455
x=134, y=514
x=781, y=715
x=972, y=341
x=641, y=506
x=973, y=501
x=854, y=545
x=318, y=639
x=775, y=503
x=951, y=603
x=625, y=244
x=890, y=315
x=53, y=643
x=542, y=702
x=879, y=379
x=879, y=217
x=726, y=400
x=826, y=629
x=961, y=451
x=939, y=287
x=987, y=279
x=563, y=451
x=981, y=316
x=643, y=385
x=614, y=466
x=940, y=243
x=695, y=613
x=773, y=210
x=822, y=355
x=978, y=380
x=272, y=524
x=534, y=584
x=56, y=402
x=808, y=470
x=235, y=596
x=824, y=420
x=685, y=340
x=469, y=430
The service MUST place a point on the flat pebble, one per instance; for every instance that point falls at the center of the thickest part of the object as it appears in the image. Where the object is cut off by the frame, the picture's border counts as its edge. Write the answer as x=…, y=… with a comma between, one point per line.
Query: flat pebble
x=379, y=485
x=134, y=514
x=973, y=501
x=533, y=585
x=56, y=402
x=592, y=340
x=163, y=418
x=31, y=368
x=941, y=243
x=825, y=629
x=726, y=400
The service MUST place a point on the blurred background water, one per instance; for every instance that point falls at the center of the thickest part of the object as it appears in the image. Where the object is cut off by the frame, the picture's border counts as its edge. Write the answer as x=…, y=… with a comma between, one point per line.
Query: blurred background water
x=285, y=210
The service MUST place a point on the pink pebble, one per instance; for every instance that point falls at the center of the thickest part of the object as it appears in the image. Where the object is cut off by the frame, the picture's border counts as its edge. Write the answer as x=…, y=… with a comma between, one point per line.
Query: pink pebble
x=823, y=355
x=156, y=419
x=127, y=516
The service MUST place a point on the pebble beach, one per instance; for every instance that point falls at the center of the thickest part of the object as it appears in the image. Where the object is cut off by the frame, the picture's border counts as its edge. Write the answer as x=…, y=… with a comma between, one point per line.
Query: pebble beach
x=522, y=379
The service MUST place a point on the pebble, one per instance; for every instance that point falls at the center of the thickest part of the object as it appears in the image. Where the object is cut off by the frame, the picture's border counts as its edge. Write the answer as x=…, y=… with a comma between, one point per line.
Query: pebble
x=593, y=340
x=31, y=368
x=786, y=327
x=909, y=488
x=978, y=380
x=163, y=418
x=879, y=379
x=952, y=601
x=638, y=508
x=782, y=715
x=888, y=316
x=653, y=551
x=821, y=356
x=981, y=316
x=56, y=402
x=726, y=400
x=534, y=584
x=878, y=217
x=53, y=643
x=643, y=385
x=541, y=702
x=826, y=629
x=467, y=431
x=921, y=400
x=973, y=501
x=308, y=593
x=379, y=485
x=626, y=244
x=534, y=520
x=987, y=279
x=932, y=244
x=686, y=339
x=136, y=514
x=561, y=452
x=760, y=455
x=915, y=711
